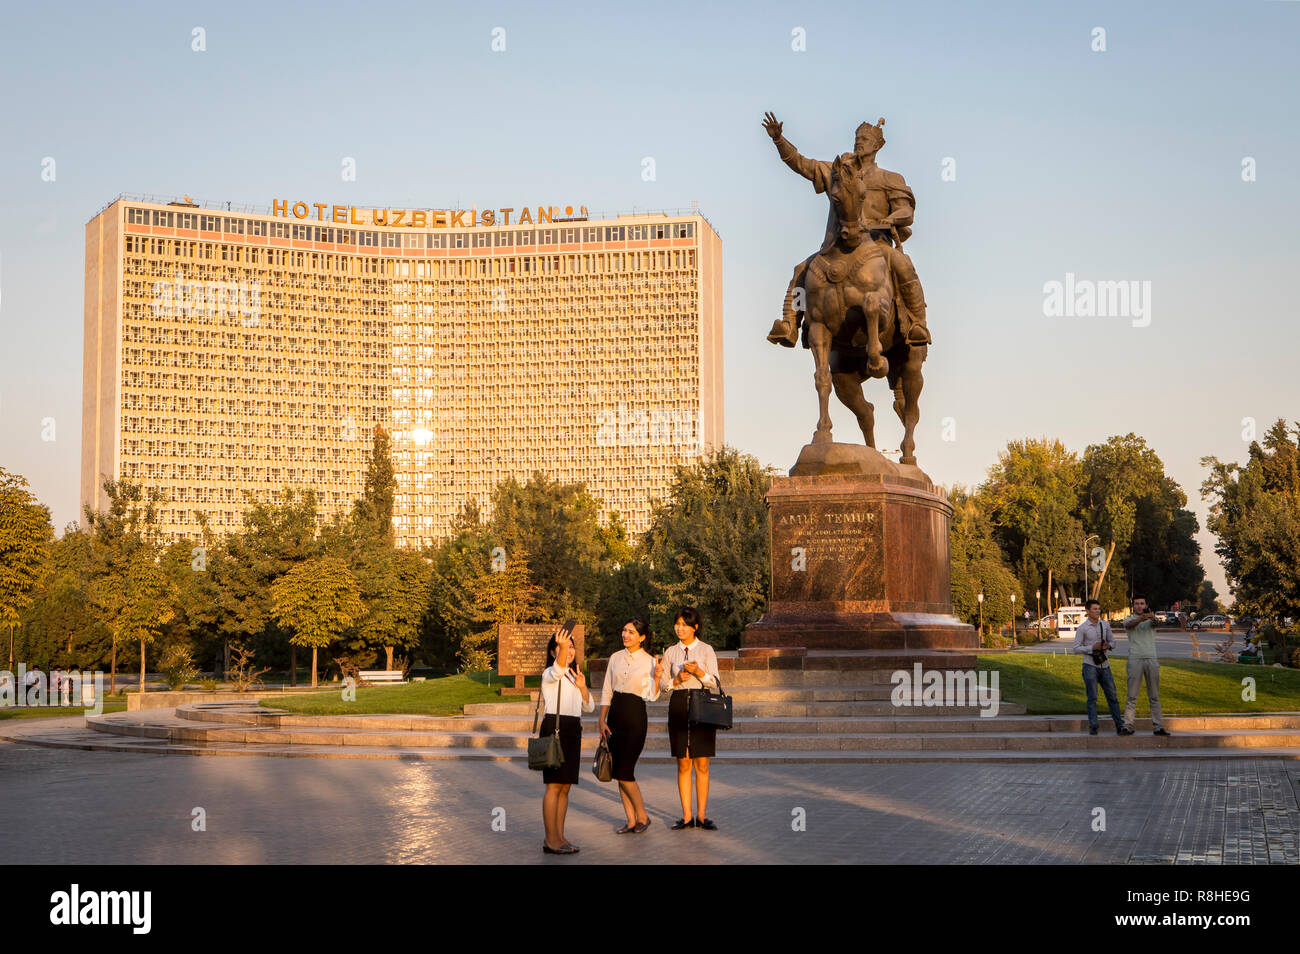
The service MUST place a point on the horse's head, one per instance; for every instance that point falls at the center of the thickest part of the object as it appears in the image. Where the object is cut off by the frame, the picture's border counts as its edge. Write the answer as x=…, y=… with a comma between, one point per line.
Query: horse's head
x=846, y=197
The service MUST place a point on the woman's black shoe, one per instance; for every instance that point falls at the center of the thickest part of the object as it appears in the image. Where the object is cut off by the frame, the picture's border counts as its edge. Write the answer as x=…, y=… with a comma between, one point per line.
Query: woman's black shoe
x=642, y=826
x=551, y=851
x=625, y=830
x=683, y=823
x=706, y=824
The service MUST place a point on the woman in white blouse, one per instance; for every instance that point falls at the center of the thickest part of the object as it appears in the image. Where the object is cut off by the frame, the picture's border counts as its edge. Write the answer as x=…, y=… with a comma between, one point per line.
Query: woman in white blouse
x=691, y=664
x=566, y=697
x=631, y=681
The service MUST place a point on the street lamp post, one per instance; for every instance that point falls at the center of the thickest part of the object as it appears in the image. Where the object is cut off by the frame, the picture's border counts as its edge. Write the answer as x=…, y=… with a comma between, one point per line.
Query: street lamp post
x=980, y=599
x=1038, y=608
x=1013, y=619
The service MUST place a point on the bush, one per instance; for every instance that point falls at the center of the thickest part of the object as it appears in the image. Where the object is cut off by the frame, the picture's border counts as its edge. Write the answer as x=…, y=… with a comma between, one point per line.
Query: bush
x=475, y=660
x=177, y=667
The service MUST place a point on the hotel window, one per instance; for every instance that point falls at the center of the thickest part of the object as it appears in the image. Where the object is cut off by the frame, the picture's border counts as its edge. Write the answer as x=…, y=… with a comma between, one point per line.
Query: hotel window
x=234, y=226
x=482, y=240
x=413, y=241
x=302, y=232
x=256, y=228
x=591, y=235
x=324, y=235
x=347, y=237
x=137, y=216
x=568, y=235
x=525, y=238
x=546, y=237
x=390, y=239
x=279, y=230
x=368, y=238
x=505, y=239
x=458, y=240
x=658, y=232
x=210, y=223
x=437, y=241
x=164, y=218
x=186, y=220
x=614, y=234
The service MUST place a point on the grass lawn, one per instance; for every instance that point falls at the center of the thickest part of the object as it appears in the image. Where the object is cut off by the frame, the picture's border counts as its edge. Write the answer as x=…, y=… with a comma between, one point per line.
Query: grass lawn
x=1053, y=685
x=115, y=703
x=447, y=695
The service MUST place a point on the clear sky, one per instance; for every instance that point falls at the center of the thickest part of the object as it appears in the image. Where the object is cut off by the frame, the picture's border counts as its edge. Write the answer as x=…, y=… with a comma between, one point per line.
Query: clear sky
x=1117, y=165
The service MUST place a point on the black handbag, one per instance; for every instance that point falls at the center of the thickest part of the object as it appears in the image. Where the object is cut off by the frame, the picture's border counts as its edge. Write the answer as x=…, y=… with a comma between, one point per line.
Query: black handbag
x=545, y=752
x=602, y=766
x=709, y=708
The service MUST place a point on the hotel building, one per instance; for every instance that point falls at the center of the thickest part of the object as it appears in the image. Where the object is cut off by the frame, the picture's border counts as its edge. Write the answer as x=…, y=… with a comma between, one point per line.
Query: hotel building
x=232, y=353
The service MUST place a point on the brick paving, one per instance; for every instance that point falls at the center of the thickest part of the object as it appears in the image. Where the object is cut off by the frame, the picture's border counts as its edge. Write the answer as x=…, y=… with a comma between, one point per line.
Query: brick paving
x=64, y=806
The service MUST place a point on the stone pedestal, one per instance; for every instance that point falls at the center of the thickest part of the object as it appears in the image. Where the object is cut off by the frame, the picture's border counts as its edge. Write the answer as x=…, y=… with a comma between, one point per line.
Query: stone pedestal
x=860, y=568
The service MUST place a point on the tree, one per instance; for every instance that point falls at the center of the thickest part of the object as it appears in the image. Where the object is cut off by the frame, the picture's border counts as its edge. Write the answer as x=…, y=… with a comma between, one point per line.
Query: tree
x=978, y=566
x=1140, y=515
x=138, y=600
x=125, y=552
x=503, y=594
x=1031, y=498
x=1207, y=600
x=1255, y=514
x=61, y=626
x=394, y=584
x=25, y=539
x=316, y=601
x=278, y=535
x=708, y=544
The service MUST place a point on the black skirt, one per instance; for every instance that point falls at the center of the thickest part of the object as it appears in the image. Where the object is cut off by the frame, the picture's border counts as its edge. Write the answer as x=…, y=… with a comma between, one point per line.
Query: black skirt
x=699, y=740
x=627, y=727
x=570, y=744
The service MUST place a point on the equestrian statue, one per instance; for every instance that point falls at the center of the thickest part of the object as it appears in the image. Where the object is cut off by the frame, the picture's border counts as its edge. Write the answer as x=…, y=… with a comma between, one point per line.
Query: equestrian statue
x=858, y=298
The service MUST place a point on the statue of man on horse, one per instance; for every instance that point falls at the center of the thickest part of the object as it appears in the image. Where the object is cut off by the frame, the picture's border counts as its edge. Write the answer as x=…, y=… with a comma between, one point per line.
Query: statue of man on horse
x=858, y=297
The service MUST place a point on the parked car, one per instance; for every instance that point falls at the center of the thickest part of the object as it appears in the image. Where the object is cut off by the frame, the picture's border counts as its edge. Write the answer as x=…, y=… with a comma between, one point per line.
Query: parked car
x=1210, y=622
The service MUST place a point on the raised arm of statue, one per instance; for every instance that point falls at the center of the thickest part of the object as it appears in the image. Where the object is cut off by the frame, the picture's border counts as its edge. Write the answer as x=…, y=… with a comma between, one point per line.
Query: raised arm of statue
x=818, y=173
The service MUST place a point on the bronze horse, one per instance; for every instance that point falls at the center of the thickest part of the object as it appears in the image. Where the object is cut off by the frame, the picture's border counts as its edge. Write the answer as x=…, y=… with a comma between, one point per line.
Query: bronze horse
x=852, y=328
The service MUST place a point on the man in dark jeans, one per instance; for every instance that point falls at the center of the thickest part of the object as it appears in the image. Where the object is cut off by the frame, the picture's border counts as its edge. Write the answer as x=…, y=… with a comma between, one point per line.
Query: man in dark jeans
x=1092, y=639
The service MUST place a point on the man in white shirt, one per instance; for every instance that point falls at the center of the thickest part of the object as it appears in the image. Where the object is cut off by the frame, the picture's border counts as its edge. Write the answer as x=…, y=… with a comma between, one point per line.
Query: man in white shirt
x=1093, y=639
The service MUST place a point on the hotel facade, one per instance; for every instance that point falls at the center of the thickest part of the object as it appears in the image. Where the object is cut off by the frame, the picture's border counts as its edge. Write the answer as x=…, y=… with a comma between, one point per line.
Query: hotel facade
x=230, y=354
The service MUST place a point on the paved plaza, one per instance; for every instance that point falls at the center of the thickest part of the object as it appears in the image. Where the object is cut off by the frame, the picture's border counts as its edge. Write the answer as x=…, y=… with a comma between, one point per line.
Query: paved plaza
x=65, y=806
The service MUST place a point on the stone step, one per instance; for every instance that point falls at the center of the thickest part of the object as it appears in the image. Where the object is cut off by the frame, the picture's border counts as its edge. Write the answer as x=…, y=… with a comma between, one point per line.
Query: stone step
x=97, y=741
x=899, y=720
x=1037, y=738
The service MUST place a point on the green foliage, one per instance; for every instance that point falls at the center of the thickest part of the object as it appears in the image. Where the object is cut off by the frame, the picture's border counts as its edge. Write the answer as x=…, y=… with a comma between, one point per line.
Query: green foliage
x=1255, y=514
x=1044, y=503
x=25, y=541
x=503, y=594
x=707, y=546
x=316, y=601
x=1129, y=501
x=978, y=566
x=61, y=627
x=177, y=667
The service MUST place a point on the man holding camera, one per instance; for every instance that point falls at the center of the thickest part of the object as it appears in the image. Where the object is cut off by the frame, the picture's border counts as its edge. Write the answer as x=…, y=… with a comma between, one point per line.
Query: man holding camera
x=1093, y=639
x=1143, y=664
